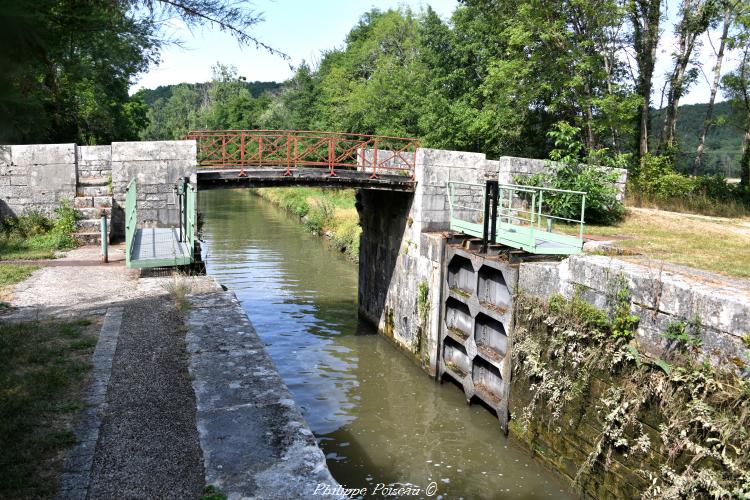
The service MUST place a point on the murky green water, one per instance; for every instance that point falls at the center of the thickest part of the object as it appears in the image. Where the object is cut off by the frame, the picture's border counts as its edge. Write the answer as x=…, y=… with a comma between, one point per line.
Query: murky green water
x=378, y=418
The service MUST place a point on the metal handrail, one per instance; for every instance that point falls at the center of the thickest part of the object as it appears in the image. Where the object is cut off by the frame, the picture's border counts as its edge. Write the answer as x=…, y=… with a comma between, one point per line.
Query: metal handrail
x=522, y=226
x=131, y=219
x=302, y=148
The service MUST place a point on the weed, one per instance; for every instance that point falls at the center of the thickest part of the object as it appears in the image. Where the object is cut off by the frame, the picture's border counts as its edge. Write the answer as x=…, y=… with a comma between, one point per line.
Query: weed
x=178, y=289
x=211, y=492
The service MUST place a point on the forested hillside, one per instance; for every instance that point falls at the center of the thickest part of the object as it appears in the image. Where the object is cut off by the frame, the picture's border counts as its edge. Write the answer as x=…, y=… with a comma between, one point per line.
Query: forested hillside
x=723, y=141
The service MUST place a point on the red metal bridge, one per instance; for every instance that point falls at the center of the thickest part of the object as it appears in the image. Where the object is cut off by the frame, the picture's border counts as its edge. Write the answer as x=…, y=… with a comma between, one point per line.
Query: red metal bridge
x=301, y=157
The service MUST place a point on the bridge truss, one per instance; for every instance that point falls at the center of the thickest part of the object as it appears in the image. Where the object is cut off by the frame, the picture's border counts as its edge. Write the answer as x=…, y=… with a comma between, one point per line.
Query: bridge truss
x=292, y=149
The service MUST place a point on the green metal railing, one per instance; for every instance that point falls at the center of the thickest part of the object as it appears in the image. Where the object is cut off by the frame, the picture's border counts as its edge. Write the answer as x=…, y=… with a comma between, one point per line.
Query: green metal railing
x=162, y=247
x=190, y=212
x=131, y=220
x=517, y=216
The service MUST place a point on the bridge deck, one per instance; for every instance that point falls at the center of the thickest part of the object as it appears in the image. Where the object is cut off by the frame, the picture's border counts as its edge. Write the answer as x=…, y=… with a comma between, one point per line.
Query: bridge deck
x=270, y=177
x=159, y=247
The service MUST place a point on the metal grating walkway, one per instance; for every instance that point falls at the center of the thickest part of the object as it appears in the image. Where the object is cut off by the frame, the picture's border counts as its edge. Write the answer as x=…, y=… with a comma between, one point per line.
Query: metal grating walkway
x=157, y=247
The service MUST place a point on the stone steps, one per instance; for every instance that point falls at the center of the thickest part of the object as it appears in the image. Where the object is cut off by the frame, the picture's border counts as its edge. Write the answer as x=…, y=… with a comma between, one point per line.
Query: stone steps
x=95, y=190
x=93, y=213
x=90, y=225
x=92, y=202
x=89, y=208
x=93, y=181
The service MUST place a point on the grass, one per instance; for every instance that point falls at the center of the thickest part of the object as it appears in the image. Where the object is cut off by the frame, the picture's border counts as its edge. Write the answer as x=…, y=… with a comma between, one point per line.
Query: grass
x=698, y=204
x=41, y=246
x=10, y=274
x=330, y=212
x=43, y=366
x=715, y=244
x=35, y=236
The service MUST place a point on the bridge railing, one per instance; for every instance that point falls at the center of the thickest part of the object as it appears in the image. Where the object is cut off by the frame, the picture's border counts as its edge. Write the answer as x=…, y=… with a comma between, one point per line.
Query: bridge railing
x=291, y=149
x=517, y=216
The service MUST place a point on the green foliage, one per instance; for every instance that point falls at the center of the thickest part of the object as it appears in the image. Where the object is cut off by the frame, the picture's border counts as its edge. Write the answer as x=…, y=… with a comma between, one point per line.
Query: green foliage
x=319, y=216
x=575, y=171
x=423, y=299
x=34, y=236
x=323, y=211
x=624, y=324
x=656, y=181
x=682, y=335
x=211, y=492
x=702, y=449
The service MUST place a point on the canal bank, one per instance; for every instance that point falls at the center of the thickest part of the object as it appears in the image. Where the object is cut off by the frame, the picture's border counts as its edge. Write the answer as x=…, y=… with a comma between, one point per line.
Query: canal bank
x=376, y=416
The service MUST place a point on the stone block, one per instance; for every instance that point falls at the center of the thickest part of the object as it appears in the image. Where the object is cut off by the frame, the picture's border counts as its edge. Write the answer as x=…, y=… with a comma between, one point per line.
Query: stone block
x=154, y=150
x=19, y=180
x=540, y=279
x=54, y=177
x=14, y=192
x=102, y=201
x=94, y=154
x=43, y=154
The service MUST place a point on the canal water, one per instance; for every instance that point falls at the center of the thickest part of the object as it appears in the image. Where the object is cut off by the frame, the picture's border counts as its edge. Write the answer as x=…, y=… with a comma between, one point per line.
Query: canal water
x=377, y=417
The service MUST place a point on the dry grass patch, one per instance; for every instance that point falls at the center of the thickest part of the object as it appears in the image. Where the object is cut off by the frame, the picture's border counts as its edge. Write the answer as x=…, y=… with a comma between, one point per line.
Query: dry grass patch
x=715, y=244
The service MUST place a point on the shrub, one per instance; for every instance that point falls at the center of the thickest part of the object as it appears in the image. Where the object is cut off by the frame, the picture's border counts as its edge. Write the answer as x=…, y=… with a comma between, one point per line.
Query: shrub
x=319, y=216
x=656, y=182
x=576, y=172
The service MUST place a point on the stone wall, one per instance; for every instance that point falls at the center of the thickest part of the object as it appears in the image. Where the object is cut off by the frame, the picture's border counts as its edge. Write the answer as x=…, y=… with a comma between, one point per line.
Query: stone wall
x=398, y=253
x=36, y=177
x=94, y=161
x=40, y=176
x=155, y=166
x=659, y=296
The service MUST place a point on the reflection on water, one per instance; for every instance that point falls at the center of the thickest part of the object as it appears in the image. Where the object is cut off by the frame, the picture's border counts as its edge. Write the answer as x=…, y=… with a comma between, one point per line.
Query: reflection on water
x=378, y=418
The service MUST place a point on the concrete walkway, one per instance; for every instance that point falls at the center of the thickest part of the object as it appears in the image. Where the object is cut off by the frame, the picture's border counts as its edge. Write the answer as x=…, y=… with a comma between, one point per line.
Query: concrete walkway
x=150, y=428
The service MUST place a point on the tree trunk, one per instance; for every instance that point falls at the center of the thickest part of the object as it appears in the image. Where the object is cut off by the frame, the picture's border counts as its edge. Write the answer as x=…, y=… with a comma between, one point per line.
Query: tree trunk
x=645, y=18
x=694, y=22
x=745, y=162
x=714, y=88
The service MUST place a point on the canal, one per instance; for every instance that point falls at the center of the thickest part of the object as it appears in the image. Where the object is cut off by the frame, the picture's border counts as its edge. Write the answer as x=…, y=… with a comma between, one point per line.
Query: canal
x=377, y=416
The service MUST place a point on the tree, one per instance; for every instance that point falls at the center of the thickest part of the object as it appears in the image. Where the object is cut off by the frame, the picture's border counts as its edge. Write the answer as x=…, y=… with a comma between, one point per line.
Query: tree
x=644, y=16
x=728, y=11
x=695, y=18
x=68, y=64
x=736, y=86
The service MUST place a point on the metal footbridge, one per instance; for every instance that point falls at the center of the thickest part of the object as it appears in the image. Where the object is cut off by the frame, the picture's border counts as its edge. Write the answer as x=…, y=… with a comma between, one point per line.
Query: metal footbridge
x=517, y=216
x=149, y=247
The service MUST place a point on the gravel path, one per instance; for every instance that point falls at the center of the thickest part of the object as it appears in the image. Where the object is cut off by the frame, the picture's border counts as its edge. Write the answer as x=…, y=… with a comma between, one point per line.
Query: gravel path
x=148, y=443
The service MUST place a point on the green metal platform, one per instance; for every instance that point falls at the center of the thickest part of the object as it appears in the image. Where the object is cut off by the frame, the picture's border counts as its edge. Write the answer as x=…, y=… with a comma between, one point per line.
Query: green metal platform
x=151, y=247
x=523, y=220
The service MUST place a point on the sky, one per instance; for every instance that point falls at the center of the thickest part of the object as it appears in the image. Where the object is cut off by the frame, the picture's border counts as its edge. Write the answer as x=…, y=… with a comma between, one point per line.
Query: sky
x=305, y=28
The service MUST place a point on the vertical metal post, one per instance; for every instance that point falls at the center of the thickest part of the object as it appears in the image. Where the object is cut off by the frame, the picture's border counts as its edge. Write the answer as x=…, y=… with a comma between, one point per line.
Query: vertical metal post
x=493, y=209
x=486, y=228
x=374, y=160
x=180, y=197
x=583, y=211
x=105, y=242
x=331, y=155
x=288, y=155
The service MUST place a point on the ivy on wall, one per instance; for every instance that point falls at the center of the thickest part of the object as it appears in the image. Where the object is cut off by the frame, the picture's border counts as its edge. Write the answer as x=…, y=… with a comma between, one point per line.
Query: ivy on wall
x=682, y=427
